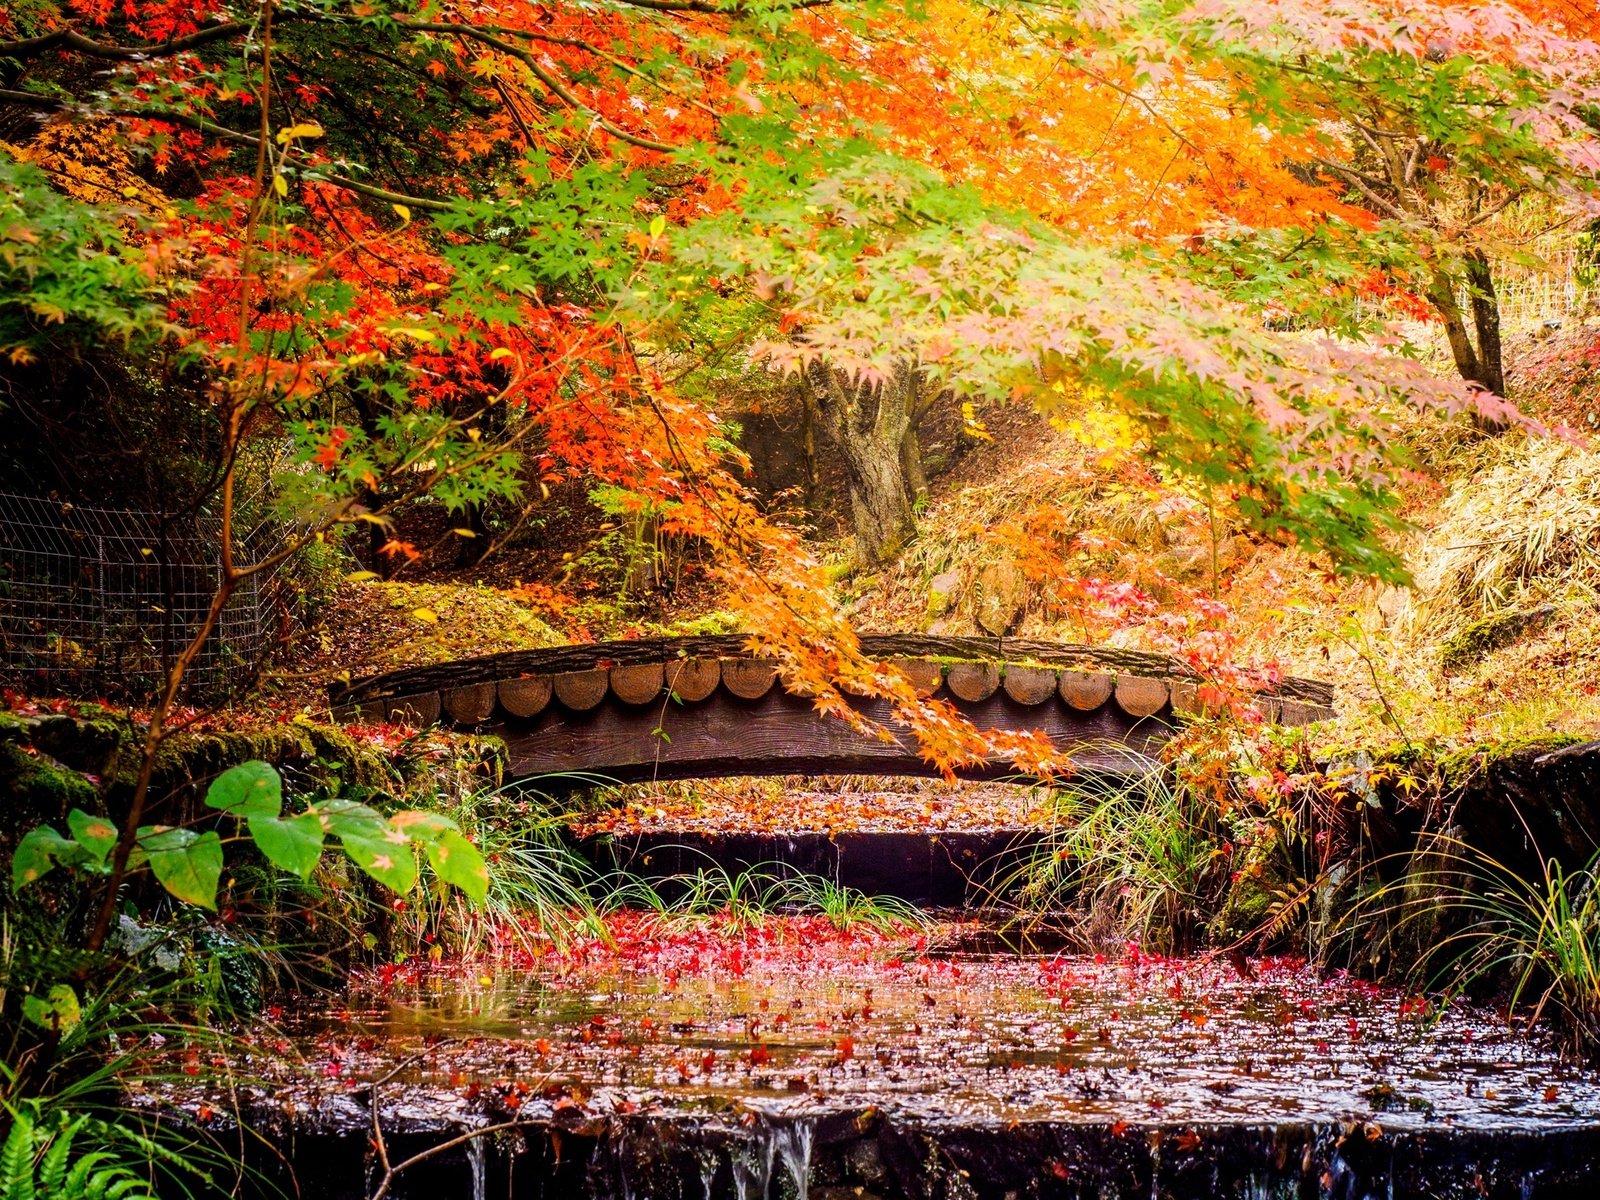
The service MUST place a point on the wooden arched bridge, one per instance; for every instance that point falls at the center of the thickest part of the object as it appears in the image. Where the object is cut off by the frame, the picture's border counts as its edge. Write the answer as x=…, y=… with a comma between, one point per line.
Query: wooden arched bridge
x=699, y=707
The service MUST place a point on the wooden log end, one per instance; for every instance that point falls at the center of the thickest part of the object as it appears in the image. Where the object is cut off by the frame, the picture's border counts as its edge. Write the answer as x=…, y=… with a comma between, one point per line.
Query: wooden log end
x=1140, y=695
x=525, y=696
x=693, y=679
x=972, y=681
x=416, y=711
x=1030, y=685
x=925, y=676
x=640, y=683
x=582, y=690
x=470, y=705
x=749, y=678
x=1084, y=690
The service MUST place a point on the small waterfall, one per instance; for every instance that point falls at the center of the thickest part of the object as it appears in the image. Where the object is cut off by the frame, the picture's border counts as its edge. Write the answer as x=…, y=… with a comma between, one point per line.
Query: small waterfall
x=708, y=1170
x=793, y=1143
x=477, y=1160
x=770, y=1144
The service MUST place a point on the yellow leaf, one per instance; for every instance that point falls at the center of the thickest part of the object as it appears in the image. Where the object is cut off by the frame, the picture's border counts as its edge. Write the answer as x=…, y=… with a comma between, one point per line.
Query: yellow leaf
x=426, y=615
x=501, y=352
x=403, y=211
x=280, y=185
x=360, y=576
x=658, y=226
x=306, y=129
x=464, y=532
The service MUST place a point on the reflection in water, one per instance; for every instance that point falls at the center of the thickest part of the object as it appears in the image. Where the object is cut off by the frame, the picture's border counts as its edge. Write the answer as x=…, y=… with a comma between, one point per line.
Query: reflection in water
x=793, y=1028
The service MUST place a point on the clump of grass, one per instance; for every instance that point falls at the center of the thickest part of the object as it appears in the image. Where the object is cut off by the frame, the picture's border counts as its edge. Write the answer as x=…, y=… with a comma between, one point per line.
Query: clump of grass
x=540, y=888
x=1520, y=534
x=1479, y=923
x=1125, y=860
x=735, y=901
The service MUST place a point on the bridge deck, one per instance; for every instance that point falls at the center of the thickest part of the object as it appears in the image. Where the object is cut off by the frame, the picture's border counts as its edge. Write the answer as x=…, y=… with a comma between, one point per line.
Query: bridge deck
x=702, y=707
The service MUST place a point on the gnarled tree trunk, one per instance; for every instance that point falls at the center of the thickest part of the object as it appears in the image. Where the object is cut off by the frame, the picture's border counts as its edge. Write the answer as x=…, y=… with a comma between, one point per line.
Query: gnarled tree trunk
x=870, y=424
x=1481, y=363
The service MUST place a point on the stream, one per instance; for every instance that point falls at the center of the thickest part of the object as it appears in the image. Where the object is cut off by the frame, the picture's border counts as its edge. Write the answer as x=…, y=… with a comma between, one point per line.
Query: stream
x=795, y=1061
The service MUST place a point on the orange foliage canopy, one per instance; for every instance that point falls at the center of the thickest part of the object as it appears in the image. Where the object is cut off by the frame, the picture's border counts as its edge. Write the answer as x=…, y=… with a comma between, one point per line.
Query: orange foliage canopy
x=433, y=239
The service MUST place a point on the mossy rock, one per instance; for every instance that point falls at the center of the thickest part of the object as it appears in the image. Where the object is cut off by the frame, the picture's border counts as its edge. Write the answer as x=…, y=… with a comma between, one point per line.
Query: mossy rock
x=1259, y=881
x=1494, y=632
x=37, y=788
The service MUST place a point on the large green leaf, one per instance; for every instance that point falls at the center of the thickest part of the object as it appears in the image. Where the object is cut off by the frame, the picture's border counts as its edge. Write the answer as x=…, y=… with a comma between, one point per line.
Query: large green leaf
x=187, y=864
x=57, y=1009
x=252, y=789
x=347, y=818
x=425, y=827
x=39, y=850
x=294, y=844
x=96, y=835
x=456, y=860
x=388, y=858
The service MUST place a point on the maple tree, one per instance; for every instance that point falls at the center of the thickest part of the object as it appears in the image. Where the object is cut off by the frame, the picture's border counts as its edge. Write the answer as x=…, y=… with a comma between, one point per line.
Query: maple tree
x=426, y=243
x=1434, y=118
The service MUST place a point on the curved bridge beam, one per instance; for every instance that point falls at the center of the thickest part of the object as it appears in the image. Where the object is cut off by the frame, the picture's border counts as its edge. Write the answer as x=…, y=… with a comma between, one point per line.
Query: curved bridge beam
x=703, y=707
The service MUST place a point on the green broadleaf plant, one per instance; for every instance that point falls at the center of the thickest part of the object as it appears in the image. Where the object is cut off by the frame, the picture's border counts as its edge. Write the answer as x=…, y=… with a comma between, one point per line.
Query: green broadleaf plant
x=188, y=863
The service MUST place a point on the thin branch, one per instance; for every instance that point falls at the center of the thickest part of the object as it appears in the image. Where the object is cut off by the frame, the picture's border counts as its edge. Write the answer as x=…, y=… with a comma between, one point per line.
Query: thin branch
x=201, y=125
x=1361, y=184
x=72, y=39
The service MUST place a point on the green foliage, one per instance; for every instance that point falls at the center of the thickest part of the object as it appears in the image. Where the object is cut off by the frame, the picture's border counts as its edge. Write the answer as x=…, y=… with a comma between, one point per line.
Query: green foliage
x=188, y=864
x=67, y=273
x=38, y=1162
x=58, y=1010
x=1477, y=922
x=1125, y=859
x=743, y=899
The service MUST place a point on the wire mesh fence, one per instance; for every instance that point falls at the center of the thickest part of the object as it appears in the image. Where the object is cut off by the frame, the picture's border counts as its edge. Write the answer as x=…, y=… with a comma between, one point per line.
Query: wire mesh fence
x=102, y=600
x=1529, y=299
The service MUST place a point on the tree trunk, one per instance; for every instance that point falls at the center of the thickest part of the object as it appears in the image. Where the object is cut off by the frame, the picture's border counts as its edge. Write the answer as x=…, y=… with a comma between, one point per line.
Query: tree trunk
x=911, y=463
x=868, y=424
x=1482, y=363
x=1486, y=319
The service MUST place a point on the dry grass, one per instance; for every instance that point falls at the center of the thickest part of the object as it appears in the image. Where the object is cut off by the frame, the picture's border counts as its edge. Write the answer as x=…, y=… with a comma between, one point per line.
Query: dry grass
x=1524, y=533
x=1499, y=637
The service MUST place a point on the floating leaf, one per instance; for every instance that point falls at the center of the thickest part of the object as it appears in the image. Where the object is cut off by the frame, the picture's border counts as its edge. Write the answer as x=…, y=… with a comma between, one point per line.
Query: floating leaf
x=252, y=789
